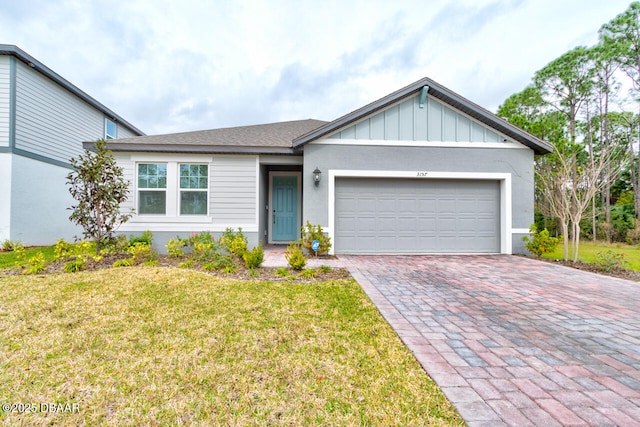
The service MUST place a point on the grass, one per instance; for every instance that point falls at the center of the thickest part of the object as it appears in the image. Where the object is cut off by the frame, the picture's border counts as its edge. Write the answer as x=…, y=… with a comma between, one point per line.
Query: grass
x=160, y=346
x=8, y=259
x=588, y=252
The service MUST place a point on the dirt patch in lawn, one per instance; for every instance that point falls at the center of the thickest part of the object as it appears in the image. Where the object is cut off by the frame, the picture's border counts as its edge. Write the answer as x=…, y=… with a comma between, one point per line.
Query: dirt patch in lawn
x=584, y=266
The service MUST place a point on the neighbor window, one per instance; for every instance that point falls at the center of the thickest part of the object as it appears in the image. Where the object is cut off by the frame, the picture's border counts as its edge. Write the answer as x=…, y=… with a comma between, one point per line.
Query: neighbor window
x=110, y=129
x=194, y=188
x=152, y=188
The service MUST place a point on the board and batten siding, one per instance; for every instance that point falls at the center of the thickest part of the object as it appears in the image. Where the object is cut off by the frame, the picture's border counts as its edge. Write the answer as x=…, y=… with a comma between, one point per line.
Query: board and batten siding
x=50, y=121
x=406, y=121
x=233, y=190
x=5, y=99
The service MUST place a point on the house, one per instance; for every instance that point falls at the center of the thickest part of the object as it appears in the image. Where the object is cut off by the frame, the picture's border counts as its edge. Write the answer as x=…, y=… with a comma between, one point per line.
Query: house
x=422, y=170
x=43, y=121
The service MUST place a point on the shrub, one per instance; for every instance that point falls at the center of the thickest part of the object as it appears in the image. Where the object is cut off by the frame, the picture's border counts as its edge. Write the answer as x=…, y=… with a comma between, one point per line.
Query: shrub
x=309, y=273
x=253, y=258
x=230, y=269
x=142, y=252
x=541, y=242
x=610, y=261
x=234, y=242
x=76, y=265
x=146, y=238
x=314, y=232
x=11, y=245
x=295, y=257
x=325, y=269
x=36, y=263
x=282, y=272
x=174, y=247
x=205, y=251
x=187, y=264
x=254, y=273
x=209, y=266
x=128, y=262
x=63, y=249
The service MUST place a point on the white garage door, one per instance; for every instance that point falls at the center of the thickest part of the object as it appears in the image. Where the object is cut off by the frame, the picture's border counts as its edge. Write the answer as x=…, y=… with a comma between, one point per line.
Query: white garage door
x=387, y=216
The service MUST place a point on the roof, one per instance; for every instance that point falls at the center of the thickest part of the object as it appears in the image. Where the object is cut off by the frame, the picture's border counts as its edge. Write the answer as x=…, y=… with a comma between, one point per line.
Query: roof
x=271, y=138
x=445, y=95
x=15, y=51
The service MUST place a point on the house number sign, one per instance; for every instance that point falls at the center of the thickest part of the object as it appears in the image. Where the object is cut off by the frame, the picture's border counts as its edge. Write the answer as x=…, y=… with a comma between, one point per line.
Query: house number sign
x=421, y=174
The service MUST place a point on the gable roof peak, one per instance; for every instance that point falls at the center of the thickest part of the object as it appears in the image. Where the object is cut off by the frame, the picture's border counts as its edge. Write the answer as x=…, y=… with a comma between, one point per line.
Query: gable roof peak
x=423, y=86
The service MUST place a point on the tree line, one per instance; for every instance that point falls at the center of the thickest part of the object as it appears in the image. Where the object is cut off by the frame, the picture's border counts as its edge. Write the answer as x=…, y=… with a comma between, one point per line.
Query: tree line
x=587, y=104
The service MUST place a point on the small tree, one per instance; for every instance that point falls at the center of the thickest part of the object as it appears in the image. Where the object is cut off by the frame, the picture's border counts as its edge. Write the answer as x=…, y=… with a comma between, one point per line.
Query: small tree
x=98, y=185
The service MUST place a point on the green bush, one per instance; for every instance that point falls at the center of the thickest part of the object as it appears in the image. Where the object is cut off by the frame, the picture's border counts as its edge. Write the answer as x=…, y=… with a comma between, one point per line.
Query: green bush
x=11, y=245
x=76, y=265
x=234, y=242
x=310, y=233
x=187, y=264
x=127, y=262
x=142, y=252
x=37, y=264
x=147, y=238
x=63, y=249
x=295, y=256
x=204, y=251
x=253, y=258
x=541, y=242
x=325, y=269
x=175, y=247
x=309, y=273
x=282, y=272
x=610, y=261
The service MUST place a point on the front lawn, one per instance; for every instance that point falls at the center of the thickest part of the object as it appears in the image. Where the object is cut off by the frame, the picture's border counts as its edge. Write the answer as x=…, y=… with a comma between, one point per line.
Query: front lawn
x=162, y=346
x=588, y=252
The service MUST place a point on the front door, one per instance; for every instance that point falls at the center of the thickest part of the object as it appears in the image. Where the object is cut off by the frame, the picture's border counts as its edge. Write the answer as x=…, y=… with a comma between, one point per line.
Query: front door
x=284, y=207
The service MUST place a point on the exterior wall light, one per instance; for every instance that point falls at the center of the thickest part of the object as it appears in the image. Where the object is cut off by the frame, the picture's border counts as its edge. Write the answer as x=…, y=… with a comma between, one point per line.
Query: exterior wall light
x=316, y=176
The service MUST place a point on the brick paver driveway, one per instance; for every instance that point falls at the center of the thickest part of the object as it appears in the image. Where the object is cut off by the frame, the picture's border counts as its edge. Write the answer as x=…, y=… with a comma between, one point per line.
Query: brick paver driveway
x=514, y=341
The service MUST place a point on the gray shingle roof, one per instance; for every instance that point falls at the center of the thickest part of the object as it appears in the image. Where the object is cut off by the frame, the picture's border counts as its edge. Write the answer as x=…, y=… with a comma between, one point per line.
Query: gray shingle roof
x=265, y=138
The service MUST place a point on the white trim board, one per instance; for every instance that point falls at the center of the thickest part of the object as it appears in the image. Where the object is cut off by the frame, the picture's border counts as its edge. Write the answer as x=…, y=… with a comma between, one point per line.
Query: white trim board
x=504, y=179
x=435, y=144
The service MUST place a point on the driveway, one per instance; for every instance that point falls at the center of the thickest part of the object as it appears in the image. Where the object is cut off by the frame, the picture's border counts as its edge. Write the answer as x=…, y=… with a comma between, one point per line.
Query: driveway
x=515, y=341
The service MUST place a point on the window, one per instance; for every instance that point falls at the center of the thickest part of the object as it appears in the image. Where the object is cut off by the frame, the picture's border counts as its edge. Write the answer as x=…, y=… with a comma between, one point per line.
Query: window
x=152, y=188
x=194, y=188
x=110, y=129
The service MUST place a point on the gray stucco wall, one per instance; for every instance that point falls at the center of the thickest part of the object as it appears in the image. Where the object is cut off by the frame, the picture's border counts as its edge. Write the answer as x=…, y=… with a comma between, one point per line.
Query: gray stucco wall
x=517, y=162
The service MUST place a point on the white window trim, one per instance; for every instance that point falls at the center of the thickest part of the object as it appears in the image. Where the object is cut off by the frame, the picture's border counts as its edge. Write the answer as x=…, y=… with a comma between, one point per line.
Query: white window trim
x=106, y=122
x=205, y=190
x=138, y=189
x=172, y=210
x=506, y=230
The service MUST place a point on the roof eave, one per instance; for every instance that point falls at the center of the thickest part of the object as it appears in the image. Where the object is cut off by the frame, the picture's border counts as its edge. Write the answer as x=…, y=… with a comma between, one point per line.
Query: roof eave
x=52, y=75
x=192, y=149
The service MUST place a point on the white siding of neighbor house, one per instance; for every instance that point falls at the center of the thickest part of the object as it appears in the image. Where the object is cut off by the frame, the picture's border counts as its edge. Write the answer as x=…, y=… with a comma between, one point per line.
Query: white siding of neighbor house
x=406, y=121
x=50, y=121
x=124, y=132
x=5, y=97
x=233, y=189
x=5, y=196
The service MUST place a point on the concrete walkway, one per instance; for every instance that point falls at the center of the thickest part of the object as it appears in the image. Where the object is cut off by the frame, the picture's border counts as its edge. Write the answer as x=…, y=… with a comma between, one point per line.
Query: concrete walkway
x=514, y=341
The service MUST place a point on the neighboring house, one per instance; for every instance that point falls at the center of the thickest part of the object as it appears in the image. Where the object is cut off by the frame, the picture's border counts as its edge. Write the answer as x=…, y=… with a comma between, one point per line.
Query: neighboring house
x=43, y=121
x=422, y=170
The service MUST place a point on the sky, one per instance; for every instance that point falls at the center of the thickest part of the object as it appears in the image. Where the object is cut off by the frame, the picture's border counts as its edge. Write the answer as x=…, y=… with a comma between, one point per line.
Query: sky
x=182, y=65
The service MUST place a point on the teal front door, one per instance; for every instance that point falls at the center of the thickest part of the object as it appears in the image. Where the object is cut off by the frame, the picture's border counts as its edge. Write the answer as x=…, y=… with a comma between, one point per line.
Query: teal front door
x=284, y=208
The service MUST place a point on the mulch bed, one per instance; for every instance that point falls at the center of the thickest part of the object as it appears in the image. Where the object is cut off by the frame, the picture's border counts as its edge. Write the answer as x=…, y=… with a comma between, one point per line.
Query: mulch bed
x=264, y=273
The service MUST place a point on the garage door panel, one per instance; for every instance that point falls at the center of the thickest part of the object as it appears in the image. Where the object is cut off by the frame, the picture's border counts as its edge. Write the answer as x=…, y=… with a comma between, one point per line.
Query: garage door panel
x=416, y=216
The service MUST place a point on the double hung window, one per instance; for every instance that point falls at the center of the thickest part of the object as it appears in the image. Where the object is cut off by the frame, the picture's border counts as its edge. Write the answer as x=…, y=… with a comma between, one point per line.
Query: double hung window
x=152, y=188
x=194, y=188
